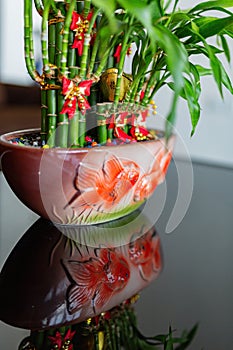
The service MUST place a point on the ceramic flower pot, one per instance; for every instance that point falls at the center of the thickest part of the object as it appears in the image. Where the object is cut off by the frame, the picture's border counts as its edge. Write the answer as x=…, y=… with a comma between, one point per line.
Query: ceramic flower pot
x=85, y=185
x=70, y=277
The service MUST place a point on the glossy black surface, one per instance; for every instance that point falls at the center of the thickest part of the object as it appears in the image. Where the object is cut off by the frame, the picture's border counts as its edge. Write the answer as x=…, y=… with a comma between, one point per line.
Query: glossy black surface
x=196, y=284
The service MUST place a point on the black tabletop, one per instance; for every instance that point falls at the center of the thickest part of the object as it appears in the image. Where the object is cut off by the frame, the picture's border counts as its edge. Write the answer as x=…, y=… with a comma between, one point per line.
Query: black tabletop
x=196, y=284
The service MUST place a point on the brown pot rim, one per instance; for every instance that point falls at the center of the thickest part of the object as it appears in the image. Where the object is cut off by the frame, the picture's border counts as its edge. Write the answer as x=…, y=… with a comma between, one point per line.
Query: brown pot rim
x=4, y=141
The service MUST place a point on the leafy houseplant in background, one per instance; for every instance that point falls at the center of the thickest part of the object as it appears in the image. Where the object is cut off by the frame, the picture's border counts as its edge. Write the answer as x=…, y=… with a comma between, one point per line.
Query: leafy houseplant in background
x=90, y=105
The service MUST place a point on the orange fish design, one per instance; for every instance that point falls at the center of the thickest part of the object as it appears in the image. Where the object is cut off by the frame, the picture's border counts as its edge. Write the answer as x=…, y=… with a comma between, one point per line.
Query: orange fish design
x=103, y=188
x=96, y=280
x=149, y=181
x=145, y=253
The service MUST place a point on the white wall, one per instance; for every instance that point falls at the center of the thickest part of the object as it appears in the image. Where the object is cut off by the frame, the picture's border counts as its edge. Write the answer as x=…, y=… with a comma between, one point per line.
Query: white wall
x=213, y=141
x=12, y=66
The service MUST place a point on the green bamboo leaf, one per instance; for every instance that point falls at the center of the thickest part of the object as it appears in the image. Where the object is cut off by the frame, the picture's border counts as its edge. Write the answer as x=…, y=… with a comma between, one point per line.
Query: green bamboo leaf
x=169, y=345
x=214, y=26
x=145, y=12
x=189, y=338
x=108, y=7
x=208, y=5
x=225, y=78
x=206, y=27
x=225, y=47
x=193, y=104
x=216, y=67
x=198, y=49
x=176, y=55
x=203, y=71
x=228, y=31
x=178, y=20
x=170, y=120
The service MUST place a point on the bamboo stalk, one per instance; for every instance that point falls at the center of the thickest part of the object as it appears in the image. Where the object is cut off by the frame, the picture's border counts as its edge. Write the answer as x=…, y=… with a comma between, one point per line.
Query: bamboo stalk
x=73, y=137
x=62, y=119
x=43, y=116
x=87, y=6
x=82, y=129
x=51, y=117
x=28, y=40
x=87, y=38
x=65, y=40
x=39, y=7
x=44, y=38
x=80, y=6
x=101, y=123
x=149, y=88
x=93, y=57
x=125, y=46
x=104, y=58
x=51, y=93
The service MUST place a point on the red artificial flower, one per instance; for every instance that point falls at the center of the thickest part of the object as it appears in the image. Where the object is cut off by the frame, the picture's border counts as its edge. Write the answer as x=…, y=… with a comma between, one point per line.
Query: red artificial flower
x=142, y=94
x=59, y=341
x=135, y=130
x=69, y=107
x=120, y=134
x=117, y=53
x=80, y=26
x=73, y=94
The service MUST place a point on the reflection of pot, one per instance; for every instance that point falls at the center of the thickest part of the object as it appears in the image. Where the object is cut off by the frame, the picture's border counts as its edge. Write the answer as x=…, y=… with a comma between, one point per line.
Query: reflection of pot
x=84, y=186
x=63, y=282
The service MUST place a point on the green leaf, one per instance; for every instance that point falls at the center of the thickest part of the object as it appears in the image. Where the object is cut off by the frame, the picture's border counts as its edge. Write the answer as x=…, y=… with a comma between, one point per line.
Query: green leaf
x=108, y=7
x=225, y=77
x=228, y=31
x=144, y=12
x=216, y=67
x=189, y=338
x=175, y=54
x=225, y=47
x=170, y=121
x=214, y=26
x=178, y=18
x=192, y=100
x=208, y=5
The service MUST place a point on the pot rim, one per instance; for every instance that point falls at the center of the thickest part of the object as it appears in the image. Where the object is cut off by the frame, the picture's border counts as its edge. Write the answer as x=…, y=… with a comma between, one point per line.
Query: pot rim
x=4, y=141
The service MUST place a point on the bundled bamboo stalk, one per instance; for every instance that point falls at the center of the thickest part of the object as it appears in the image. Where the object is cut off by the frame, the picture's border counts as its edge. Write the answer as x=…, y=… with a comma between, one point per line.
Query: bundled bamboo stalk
x=72, y=50
x=81, y=43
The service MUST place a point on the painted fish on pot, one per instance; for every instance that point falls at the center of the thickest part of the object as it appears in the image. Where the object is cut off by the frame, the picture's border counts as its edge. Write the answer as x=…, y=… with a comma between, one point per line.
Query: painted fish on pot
x=85, y=185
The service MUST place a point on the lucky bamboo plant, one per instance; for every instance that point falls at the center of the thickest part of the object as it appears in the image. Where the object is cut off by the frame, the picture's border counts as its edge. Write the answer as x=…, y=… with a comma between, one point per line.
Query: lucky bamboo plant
x=87, y=98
